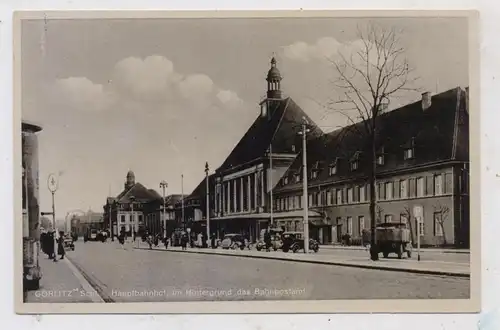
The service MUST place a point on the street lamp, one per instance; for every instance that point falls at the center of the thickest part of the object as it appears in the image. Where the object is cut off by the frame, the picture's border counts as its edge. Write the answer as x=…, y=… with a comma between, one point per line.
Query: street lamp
x=163, y=186
x=132, y=221
x=304, y=132
x=208, y=201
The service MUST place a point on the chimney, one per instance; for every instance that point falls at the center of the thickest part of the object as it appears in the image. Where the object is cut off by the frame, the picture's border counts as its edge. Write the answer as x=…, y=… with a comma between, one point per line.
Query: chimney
x=467, y=99
x=426, y=100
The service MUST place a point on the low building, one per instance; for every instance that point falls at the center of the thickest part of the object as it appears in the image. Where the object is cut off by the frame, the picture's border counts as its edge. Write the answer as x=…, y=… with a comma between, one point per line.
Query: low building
x=80, y=224
x=422, y=174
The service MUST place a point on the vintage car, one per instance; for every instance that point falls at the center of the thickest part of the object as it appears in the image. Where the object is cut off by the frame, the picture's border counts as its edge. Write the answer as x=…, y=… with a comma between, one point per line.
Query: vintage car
x=393, y=238
x=233, y=241
x=276, y=241
x=68, y=243
x=294, y=241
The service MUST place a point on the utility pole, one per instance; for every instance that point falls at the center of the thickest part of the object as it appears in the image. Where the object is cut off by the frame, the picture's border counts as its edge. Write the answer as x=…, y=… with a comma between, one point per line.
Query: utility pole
x=164, y=185
x=304, y=132
x=271, y=182
x=110, y=210
x=208, y=201
x=182, y=201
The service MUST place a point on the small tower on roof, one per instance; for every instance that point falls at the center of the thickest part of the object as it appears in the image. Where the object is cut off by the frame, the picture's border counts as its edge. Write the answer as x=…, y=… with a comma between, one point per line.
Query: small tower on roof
x=274, y=81
x=130, y=180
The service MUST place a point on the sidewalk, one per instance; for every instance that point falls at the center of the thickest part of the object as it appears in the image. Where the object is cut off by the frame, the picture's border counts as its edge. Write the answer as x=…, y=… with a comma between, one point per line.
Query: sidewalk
x=391, y=264
x=61, y=282
x=422, y=250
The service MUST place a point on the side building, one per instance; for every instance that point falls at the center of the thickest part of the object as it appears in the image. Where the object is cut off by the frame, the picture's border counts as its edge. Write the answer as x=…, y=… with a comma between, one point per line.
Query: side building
x=422, y=174
x=128, y=211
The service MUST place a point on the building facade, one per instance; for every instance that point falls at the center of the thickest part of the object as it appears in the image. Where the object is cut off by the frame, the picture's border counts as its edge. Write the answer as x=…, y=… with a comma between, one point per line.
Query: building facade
x=422, y=175
x=127, y=212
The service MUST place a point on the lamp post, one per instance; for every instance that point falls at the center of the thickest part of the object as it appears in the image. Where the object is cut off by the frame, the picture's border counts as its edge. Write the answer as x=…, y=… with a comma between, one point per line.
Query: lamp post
x=304, y=132
x=208, y=201
x=182, y=201
x=53, y=185
x=132, y=218
x=163, y=186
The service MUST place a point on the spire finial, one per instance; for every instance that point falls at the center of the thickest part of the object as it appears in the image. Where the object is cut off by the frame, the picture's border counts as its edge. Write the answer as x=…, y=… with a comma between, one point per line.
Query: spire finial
x=273, y=60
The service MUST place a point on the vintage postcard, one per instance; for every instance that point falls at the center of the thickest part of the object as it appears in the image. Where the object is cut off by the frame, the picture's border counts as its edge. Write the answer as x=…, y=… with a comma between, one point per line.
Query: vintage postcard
x=246, y=162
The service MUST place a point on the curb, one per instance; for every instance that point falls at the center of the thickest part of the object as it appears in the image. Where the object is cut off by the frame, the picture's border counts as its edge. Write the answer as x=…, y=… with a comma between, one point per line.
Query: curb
x=331, y=263
x=329, y=247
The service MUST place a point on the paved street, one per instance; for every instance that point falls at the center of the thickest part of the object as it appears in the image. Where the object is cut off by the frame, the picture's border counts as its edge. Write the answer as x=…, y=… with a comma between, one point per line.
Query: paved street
x=126, y=275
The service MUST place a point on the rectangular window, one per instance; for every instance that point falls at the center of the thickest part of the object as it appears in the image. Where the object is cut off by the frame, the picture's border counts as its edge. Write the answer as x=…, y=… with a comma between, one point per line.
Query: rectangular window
x=300, y=201
x=350, y=196
x=403, y=218
x=388, y=218
x=438, y=224
x=333, y=170
x=349, y=225
x=314, y=174
x=380, y=160
x=123, y=218
x=438, y=184
x=361, y=221
x=403, y=188
x=388, y=190
x=354, y=165
x=339, y=196
x=420, y=187
x=310, y=200
x=409, y=154
x=362, y=194
x=140, y=217
x=328, y=197
x=292, y=202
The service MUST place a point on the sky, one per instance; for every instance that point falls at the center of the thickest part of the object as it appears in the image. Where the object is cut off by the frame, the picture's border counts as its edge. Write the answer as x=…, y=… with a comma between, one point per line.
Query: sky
x=161, y=97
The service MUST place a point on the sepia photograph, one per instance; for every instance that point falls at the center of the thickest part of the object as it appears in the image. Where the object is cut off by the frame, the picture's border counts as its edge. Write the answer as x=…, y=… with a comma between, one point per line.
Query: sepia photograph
x=264, y=160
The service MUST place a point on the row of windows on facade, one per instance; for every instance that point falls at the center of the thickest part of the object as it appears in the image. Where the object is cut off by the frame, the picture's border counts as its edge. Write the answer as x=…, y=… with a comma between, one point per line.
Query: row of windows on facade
x=123, y=218
x=360, y=193
x=403, y=218
x=409, y=153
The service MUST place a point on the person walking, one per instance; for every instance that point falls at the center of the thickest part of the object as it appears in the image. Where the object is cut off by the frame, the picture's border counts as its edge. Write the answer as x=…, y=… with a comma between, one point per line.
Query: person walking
x=60, y=245
x=184, y=241
x=50, y=246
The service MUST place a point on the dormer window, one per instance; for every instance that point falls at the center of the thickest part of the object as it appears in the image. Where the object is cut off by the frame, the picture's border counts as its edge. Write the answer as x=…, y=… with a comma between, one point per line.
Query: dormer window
x=285, y=180
x=297, y=177
x=315, y=169
x=293, y=147
x=409, y=149
x=263, y=109
x=355, y=161
x=381, y=157
x=332, y=169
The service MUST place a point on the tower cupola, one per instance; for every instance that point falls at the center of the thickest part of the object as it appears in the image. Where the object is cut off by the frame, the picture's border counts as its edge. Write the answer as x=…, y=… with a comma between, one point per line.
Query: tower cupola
x=274, y=81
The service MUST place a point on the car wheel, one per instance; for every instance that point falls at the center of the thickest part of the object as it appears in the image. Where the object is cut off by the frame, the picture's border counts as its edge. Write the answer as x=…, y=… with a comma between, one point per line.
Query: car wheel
x=258, y=248
x=285, y=250
x=400, y=251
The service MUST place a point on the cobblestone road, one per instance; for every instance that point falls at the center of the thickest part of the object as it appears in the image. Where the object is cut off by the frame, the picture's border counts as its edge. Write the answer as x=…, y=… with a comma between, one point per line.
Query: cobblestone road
x=129, y=275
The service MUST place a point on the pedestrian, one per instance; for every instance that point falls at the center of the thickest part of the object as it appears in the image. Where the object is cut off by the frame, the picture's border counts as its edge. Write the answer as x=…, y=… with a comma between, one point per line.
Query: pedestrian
x=50, y=246
x=43, y=242
x=213, y=243
x=184, y=241
x=121, y=239
x=60, y=245
x=267, y=240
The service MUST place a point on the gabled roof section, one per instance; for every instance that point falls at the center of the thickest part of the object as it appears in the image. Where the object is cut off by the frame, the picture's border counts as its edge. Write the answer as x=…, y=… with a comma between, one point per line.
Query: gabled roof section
x=280, y=126
x=432, y=132
x=140, y=193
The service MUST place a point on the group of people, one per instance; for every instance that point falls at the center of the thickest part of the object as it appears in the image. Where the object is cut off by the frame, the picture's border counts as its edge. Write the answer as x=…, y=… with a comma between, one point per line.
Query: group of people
x=48, y=242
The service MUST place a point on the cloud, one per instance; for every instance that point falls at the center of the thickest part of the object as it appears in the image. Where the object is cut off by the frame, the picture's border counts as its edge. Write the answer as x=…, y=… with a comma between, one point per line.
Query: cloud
x=327, y=48
x=146, y=84
x=82, y=94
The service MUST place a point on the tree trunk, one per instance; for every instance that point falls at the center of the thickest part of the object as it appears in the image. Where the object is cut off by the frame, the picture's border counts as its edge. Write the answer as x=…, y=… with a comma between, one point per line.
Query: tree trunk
x=373, y=196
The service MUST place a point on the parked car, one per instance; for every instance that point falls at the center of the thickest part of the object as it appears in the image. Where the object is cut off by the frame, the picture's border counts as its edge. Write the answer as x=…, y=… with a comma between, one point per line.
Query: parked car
x=233, y=241
x=393, y=238
x=294, y=241
x=68, y=243
x=276, y=240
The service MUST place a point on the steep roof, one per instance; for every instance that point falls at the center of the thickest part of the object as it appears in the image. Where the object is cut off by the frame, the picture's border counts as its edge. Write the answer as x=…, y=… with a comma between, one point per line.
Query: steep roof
x=432, y=132
x=141, y=194
x=280, y=126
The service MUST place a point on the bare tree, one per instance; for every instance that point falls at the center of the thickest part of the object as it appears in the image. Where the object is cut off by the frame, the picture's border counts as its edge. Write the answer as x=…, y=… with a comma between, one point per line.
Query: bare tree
x=407, y=213
x=444, y=212
x=367, y=79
